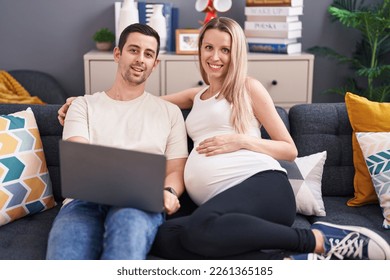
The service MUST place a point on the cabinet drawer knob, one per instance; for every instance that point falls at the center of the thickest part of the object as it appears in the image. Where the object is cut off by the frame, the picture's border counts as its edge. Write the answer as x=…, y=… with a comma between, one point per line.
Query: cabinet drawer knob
x=200, y=83
x=274, y=82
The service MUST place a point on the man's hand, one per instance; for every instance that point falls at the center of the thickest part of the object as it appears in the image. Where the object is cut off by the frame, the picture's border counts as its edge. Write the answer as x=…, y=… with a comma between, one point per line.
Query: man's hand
x=171, y=203
x=62, y=111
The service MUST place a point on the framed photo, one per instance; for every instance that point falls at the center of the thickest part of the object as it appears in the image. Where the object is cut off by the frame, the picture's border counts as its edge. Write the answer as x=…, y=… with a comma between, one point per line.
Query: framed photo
x=187, y=41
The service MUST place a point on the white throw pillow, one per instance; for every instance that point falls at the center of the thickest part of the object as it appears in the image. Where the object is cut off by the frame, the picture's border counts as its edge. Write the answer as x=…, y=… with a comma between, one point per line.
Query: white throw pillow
x=376, y=151
x=305, y=176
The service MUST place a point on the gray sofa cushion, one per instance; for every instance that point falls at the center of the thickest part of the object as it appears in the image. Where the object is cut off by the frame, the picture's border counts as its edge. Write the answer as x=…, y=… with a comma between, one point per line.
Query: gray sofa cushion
x=325, y=126
x=368, y=215
x=26, y=238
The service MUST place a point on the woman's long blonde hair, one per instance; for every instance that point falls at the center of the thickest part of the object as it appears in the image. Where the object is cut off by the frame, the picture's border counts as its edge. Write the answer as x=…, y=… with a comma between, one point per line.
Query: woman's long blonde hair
x=234, y=87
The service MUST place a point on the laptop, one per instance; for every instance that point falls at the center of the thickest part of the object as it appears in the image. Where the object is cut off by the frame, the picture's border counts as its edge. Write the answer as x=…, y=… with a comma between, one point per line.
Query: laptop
x=112, y=176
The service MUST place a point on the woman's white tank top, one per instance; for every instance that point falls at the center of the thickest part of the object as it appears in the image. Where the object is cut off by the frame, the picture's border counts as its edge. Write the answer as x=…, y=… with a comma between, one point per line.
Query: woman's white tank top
x=206, y=177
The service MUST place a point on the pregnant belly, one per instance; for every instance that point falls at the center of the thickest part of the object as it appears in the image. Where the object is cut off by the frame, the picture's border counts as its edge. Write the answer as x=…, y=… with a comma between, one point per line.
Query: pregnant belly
x=205, y=177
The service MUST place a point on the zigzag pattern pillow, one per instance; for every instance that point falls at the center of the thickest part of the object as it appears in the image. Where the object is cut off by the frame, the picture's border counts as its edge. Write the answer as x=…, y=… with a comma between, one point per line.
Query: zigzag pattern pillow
x=376, y=151
x=25, y=186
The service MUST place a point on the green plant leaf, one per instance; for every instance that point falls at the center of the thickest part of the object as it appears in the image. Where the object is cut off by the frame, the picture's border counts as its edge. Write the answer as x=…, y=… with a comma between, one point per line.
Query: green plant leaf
x=381, y=93
x=374, y=72
x=103, y=35
x=330, y=53
x=369, y=60
x=351, y=86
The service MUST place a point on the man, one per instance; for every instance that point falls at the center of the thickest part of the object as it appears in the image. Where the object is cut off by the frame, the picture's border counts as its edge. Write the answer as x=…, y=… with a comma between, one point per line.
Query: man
x=125, y=116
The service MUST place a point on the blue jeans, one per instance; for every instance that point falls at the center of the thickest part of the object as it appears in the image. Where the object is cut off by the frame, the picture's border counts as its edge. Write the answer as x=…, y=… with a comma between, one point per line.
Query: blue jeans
x=87, y=231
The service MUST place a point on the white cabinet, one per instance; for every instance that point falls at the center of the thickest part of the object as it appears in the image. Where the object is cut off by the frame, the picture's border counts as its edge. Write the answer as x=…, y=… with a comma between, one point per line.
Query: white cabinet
x=288, y=78
x=181, y=74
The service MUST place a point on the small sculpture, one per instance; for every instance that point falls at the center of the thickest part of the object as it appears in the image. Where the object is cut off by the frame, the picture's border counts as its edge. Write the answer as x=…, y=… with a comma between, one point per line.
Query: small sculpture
x=211, y=7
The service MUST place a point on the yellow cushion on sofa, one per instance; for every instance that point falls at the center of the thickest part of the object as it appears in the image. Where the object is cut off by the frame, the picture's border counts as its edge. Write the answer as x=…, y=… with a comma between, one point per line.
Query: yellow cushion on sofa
x=365, y=116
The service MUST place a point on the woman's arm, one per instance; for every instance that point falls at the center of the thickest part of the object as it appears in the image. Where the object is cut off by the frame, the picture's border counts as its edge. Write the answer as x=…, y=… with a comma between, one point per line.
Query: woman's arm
x=184, y=99
x=281, y=146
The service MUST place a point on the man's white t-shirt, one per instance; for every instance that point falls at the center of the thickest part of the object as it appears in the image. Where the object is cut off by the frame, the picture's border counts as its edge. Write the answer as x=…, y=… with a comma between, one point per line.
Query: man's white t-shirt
x=146, y=123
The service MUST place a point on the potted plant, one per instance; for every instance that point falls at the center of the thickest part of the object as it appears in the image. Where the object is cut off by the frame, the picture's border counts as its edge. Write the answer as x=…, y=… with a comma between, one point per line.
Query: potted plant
x=368, y=60
x=104, y=39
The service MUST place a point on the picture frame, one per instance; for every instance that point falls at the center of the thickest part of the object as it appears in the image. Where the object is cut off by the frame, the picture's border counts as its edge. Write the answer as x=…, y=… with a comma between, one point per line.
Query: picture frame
x=187, y=41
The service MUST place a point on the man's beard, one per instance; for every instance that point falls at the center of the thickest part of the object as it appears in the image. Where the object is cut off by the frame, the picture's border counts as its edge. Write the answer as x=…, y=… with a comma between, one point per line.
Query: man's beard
x=134, y=80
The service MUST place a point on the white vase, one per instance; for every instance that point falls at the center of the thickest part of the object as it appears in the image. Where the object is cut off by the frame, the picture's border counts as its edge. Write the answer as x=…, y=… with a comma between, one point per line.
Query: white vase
x=128, y=15
x=157, y=22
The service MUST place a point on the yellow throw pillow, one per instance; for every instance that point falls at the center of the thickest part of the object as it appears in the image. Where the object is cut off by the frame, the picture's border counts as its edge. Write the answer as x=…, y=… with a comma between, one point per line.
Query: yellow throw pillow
x=364, y=116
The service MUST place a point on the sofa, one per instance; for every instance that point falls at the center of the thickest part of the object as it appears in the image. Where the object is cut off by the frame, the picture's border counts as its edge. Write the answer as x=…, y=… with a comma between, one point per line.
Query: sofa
x=314, y=128
x=40, y=84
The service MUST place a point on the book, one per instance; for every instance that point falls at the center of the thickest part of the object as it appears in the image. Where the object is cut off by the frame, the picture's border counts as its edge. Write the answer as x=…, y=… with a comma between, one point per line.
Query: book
x=117, y=8
x=273, y=11
x=264, y=25
x=273, y=18
x=291, y=3
x=175, y=25
x=275, y=48
x=263, y=40
x=286, y=34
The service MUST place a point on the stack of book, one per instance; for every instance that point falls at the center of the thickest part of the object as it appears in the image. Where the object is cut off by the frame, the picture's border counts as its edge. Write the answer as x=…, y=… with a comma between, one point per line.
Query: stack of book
x=273, y=26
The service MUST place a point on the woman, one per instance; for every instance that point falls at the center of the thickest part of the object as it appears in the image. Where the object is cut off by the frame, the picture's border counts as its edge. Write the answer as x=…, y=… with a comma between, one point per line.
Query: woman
x=233, y=174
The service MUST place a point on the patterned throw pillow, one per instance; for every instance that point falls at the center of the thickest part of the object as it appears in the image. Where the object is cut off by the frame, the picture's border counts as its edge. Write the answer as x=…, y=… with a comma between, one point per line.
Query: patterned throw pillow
x=25, y=186
x=376, y=150
x=305, y=176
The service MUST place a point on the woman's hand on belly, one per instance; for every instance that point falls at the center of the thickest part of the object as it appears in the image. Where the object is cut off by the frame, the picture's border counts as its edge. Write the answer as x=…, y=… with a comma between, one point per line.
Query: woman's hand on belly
x=220, y=144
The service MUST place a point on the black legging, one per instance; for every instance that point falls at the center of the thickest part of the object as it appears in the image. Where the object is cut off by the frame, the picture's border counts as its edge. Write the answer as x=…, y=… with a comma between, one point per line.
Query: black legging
x=237, y=223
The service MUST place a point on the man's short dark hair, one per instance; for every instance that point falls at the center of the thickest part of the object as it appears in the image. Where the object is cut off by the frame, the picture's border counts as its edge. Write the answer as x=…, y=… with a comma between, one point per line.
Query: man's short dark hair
x=140, y=28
